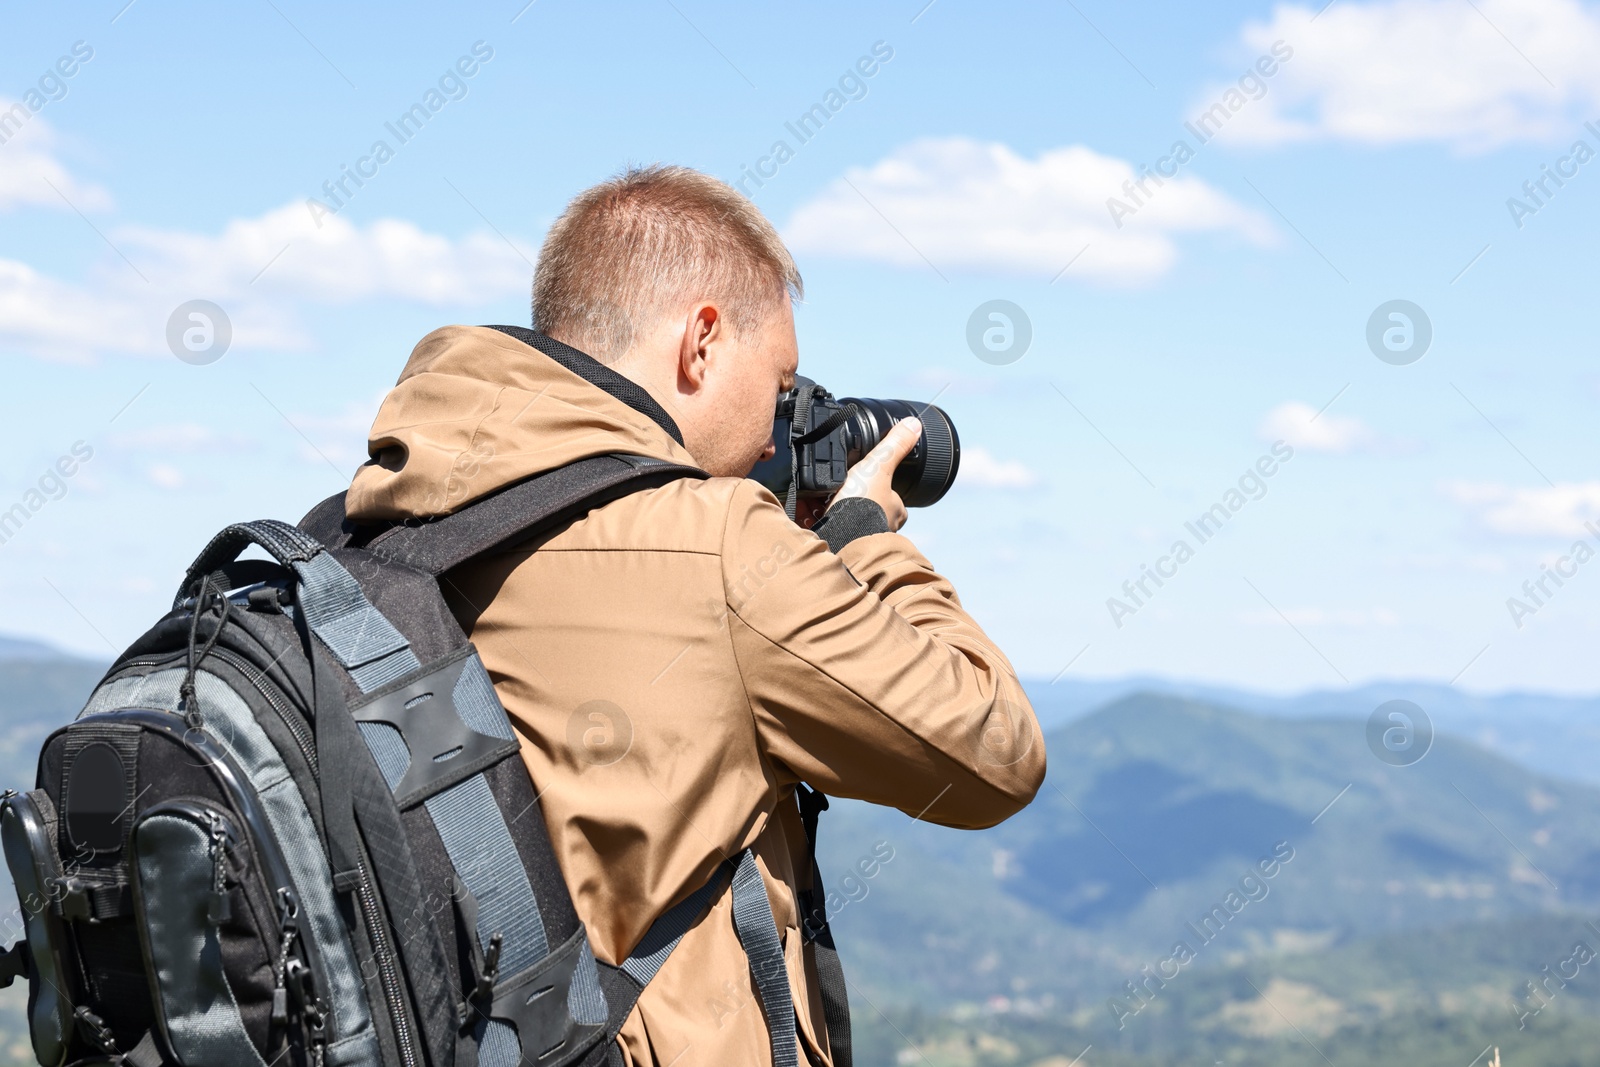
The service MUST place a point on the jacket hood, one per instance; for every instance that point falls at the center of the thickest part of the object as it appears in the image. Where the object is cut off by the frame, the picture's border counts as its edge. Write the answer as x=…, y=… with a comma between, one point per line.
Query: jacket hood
x=478, y=408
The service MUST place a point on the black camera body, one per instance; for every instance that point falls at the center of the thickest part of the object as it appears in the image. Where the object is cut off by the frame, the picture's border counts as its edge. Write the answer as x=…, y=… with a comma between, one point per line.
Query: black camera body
x=820, y=437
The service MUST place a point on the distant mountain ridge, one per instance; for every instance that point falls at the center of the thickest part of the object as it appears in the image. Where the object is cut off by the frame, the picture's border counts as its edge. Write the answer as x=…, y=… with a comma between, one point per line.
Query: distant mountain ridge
x=1120, y=910
x=37, y=694
x=1070, y=697
x=1552, y=733
x=1153, y=808
x=27, y=648
x=1436, y=889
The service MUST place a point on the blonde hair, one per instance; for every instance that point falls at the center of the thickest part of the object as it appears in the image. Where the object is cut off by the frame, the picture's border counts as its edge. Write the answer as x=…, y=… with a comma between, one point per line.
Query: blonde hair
x=631, y=248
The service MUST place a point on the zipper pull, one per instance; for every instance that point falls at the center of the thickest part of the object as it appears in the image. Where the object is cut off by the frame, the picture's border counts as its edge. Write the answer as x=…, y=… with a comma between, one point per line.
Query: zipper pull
x=94, y=1028
x=316, y=1024
x=288, y=910
x=220, y=907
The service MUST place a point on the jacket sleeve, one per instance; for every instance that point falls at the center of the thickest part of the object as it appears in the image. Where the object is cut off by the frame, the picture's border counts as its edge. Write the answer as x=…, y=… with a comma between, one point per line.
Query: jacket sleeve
x=865, y=676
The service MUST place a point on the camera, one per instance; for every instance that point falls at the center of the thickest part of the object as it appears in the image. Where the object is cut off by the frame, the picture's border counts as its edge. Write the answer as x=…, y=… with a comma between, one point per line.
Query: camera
x=820, y=437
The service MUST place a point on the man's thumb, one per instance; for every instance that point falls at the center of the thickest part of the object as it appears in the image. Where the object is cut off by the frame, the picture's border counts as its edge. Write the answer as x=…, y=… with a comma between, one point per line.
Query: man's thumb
x=906, y=434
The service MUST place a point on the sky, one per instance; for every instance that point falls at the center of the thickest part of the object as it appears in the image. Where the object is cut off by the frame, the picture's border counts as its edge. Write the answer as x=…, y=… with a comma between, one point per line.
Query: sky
x=1321, y=272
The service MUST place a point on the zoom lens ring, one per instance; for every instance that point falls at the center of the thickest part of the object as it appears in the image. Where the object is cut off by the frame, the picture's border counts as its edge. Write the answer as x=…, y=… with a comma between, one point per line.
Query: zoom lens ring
x=941, y=454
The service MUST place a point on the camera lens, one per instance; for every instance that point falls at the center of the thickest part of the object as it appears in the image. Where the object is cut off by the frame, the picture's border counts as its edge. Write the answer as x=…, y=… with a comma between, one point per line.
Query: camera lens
x=927, y=473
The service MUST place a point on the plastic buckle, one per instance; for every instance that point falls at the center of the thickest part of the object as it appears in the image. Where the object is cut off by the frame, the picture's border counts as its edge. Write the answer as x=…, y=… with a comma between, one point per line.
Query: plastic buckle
x=72, y=901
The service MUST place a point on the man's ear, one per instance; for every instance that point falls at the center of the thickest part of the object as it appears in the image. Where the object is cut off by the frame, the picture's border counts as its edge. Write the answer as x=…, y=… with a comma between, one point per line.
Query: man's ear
x=703, y=328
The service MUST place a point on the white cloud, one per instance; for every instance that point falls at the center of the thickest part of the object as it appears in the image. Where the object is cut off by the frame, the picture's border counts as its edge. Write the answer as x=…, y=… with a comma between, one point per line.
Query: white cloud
x=256, y=269
x=1298, y=424
x=1541, y=511
x=28, y=168
x=1471, y=75
x=284, y=251
x=968, y=205
x=980, y=468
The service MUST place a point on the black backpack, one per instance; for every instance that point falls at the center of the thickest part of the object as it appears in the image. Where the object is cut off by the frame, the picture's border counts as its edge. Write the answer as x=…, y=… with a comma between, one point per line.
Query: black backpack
x=292, y=825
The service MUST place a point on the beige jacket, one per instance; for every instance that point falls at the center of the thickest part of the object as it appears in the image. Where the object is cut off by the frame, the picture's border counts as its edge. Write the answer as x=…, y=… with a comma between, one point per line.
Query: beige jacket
x=676, y=661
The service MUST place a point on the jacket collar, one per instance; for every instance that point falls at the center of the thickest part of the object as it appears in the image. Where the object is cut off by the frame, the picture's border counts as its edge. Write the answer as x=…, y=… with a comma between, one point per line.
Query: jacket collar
x=598, y=375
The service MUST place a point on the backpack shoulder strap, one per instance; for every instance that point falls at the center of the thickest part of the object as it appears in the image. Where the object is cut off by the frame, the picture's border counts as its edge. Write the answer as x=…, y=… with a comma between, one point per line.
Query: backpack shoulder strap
x=759, y=935
x=815, y=929
x=513, y=514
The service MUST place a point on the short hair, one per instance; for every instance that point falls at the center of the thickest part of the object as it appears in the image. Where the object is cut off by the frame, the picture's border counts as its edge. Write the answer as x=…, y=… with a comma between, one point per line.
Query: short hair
x=630, y=248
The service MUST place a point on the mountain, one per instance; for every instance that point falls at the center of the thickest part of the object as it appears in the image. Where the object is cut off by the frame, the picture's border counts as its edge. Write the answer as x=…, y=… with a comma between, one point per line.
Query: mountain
x=26, y=648
x=1425, y=998
x=1157, y=827
x=1558, y=735
x=36, y=696
x=1405, y=910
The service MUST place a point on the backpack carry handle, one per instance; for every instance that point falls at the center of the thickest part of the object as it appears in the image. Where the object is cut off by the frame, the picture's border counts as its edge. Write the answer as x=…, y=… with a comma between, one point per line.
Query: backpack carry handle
x=335, y=606
x=285, y=543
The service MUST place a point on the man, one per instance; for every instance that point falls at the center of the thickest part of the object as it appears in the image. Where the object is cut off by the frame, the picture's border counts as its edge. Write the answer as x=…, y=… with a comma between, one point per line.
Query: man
x=677, y=661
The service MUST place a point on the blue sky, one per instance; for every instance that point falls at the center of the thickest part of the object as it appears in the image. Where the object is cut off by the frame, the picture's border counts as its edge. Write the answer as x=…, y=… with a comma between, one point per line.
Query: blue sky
x=1174, y=338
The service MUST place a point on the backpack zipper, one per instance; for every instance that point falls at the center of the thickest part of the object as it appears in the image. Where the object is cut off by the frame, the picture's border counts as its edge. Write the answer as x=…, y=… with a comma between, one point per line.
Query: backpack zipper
x=297, y=725
x=258, y=680
x=386, y=967
x=219, y=908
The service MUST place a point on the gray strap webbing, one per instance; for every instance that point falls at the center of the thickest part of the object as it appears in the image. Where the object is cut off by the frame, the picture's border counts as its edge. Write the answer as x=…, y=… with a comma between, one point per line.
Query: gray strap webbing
x=663, y=936
x=797, y=428
x=753, y=921
x=364, y=642
x=758, y=932
x=486, y=860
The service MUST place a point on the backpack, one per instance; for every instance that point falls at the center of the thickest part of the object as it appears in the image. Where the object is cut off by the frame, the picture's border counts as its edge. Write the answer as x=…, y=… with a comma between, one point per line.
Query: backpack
x=292, y=825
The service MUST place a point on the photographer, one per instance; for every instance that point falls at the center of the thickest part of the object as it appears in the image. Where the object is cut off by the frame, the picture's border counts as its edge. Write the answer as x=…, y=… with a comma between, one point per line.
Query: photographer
x=678, y=661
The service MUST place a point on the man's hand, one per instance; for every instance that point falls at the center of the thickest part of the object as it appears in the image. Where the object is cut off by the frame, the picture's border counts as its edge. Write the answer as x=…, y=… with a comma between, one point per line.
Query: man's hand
x=872, y=476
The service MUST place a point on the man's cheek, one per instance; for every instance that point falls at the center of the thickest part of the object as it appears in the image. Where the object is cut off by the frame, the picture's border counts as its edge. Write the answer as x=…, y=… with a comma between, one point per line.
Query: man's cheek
x=762, y=404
